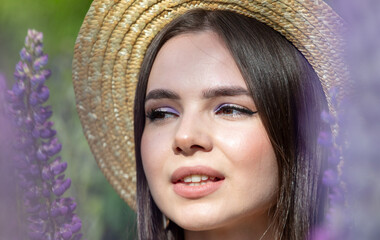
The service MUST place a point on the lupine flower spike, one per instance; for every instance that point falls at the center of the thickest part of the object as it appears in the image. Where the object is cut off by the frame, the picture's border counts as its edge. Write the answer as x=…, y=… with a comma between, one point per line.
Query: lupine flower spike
x=39, y=171
x=9, y=224
x=332, y=175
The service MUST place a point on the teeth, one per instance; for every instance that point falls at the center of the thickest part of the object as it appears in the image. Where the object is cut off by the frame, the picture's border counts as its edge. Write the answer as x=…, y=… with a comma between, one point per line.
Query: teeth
x=187, y=179
x=196, y=179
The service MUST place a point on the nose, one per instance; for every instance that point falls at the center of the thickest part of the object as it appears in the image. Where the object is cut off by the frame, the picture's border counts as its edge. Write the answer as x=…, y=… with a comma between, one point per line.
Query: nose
x=192, y=135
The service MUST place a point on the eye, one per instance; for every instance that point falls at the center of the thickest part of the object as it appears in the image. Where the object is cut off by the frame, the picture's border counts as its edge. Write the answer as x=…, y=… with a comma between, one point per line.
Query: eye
x=233, y=110
x=161, y=113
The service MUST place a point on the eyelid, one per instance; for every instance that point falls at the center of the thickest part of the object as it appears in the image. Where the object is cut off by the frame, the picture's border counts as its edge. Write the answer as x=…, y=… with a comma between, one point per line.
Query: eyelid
x=232, y=105
x=166, y=109
x=161, y=113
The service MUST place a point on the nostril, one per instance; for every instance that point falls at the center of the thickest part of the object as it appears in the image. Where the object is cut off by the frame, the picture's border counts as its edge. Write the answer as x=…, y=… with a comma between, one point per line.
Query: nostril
x=196, y=147
x=191, y=149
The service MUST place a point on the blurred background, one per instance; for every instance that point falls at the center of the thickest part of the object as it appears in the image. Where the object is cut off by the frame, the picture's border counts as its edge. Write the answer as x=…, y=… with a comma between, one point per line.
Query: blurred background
x=103, y=212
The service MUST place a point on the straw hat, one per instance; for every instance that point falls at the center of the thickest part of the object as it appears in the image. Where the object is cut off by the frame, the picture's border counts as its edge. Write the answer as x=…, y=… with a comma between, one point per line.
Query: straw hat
x=115, y=35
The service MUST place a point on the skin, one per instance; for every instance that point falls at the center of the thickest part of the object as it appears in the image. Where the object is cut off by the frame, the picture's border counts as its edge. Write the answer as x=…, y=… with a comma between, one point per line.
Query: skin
x=200, y=126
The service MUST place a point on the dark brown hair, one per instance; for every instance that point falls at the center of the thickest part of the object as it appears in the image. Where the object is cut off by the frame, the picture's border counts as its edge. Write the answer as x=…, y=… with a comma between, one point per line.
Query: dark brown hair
x=289, y=97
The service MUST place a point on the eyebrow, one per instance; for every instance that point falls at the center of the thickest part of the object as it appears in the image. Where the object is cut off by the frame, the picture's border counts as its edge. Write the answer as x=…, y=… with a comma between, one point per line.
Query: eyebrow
x=225, y=91
x=161, y=93
x=209, y=93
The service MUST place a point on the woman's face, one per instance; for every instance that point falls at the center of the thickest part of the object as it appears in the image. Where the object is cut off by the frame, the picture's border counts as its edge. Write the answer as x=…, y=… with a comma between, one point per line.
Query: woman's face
x=206, y=155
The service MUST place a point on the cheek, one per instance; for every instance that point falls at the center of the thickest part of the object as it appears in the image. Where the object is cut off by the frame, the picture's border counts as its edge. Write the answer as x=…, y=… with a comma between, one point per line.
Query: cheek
x=254, y=162
x=264, y=167
x=149, y=146
x=153, y=154
x=249, y=144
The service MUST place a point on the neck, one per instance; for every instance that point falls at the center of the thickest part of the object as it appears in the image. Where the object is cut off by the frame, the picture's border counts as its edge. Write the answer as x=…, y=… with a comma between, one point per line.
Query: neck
x=243, y=229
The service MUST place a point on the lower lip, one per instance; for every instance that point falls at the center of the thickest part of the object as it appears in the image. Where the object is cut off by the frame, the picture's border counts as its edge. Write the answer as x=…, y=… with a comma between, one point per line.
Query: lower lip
x=194, y=192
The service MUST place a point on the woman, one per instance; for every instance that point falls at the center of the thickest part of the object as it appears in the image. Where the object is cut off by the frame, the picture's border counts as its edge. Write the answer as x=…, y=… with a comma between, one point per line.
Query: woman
x=260, y=124
x=222, y=101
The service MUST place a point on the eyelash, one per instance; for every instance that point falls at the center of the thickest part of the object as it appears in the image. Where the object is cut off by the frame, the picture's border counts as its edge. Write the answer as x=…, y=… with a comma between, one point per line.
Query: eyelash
x=160, y=114
x=239, y=111
x=234, y=111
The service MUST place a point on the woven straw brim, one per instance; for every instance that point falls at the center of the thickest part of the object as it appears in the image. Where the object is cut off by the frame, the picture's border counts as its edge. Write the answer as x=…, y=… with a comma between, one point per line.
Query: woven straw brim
x=111, y=45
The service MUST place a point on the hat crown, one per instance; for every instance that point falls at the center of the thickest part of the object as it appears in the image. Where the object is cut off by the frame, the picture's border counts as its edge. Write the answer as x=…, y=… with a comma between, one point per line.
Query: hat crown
x=115, y=35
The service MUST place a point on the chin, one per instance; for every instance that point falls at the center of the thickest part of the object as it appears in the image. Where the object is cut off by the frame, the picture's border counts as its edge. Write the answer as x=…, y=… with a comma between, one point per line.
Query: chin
x=202, y=221
x=197, y=225
x=197, y=216
x=196, y=220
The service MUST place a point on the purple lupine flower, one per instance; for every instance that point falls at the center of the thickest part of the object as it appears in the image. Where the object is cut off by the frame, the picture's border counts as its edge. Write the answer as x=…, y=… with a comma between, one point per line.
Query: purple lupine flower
x=39, y=172
x=357, y=215
x=331, y=177
x=10, y=228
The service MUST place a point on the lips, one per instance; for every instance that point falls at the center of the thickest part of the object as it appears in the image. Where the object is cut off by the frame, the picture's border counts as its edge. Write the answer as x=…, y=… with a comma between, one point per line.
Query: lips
x=183, y=172
x=196, y=182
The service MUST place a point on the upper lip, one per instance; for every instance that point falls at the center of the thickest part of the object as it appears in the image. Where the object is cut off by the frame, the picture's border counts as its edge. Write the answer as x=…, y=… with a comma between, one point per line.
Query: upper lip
x=183, y=172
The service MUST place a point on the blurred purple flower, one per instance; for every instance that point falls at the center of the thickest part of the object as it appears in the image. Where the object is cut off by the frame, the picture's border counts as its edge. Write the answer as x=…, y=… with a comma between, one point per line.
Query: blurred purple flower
x=39, y=173
x=325, y=138
x=330, y=178
x=321, y=234
x=10, y=228
x=355, y=211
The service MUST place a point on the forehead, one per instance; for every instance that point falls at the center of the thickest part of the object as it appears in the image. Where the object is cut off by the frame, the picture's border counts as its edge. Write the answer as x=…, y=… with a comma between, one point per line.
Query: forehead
x=202, y=44
x=194, y=59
